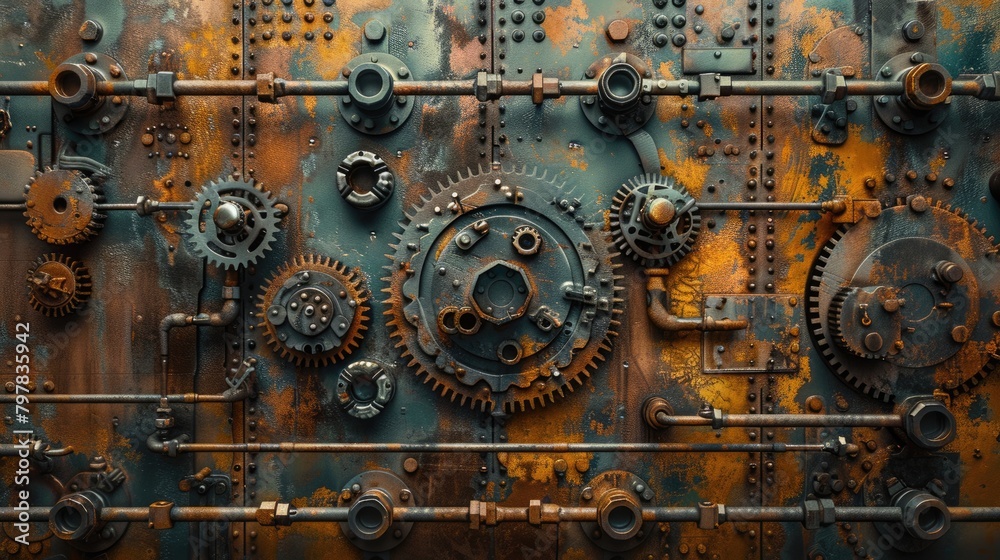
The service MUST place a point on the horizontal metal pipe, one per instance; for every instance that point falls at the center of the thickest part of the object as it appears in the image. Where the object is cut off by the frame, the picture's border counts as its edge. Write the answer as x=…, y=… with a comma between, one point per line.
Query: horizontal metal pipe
x=124, y=398
x=760, y=205
x=292, y=447
x=788, y=420
x=459, y=514
x=508, y=87
x=12, y=206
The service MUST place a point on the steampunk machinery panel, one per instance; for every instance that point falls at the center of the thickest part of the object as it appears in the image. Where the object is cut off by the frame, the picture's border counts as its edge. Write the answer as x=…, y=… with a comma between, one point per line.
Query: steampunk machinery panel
x=499, y=279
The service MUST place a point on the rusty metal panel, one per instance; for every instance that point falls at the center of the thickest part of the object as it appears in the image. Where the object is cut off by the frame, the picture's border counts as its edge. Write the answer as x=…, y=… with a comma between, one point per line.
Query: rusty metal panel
x=499, y=279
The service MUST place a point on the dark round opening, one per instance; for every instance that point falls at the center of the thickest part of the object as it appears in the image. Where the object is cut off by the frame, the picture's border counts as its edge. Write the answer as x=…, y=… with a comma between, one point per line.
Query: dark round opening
x=621, y=519
x=935, y=425
x=68, y=83
x=448, y=321
x=931, y=520
x=68, y=520
x=363, y=388
x=467, y=321
x=931, y=83
x=59, y=204
x=370, y=518
x=509, y=352
x=369, y=82
x=526, y=241
x=362, y=178
x=621, y=83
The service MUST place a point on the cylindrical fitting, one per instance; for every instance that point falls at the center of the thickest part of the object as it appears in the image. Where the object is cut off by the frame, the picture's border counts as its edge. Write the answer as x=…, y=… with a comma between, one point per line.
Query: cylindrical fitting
x=77, y=516
x=926, y=86
x=619, y=515
x=371, y=515
x=925, y=516
x=370, y=88
x=75, y=86
x=620, y=88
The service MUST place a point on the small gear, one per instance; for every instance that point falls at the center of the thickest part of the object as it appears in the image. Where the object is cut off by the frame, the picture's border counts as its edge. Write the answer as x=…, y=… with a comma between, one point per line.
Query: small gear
x=490, y=322
x=58, y=285
x=654, y=221
x=233, y=223
x=897, y=304
x=61, y=206
x=313, y=311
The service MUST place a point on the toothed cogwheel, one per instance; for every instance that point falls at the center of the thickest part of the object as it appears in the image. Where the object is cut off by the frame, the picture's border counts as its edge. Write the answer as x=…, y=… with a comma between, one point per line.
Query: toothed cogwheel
x=61, y=206
x=489, y=319
x=58, y=285
x=905, y=304
x=232, y=224
x=313, y=311
x=654, y=220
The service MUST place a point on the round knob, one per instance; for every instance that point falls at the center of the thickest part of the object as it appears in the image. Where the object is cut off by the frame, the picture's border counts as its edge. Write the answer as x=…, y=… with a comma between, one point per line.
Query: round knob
x=229, y=217
x=657, y=213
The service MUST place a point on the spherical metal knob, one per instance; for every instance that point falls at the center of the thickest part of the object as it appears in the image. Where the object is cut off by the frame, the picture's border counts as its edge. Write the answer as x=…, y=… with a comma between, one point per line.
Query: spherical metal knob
x=229, y=217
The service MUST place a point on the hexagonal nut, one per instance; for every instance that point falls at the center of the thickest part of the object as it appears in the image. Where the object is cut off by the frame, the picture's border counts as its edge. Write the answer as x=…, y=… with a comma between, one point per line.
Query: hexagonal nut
x=501, y=292
x=928, y=423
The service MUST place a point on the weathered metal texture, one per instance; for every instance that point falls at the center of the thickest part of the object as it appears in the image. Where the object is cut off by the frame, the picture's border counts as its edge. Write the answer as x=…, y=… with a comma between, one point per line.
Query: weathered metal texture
x=262, y=91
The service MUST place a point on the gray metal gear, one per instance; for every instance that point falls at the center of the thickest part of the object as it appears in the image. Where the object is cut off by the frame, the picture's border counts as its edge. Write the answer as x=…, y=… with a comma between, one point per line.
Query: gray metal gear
x=900, y=305
x=233, y=223
x=654, y=220
x=491, y=323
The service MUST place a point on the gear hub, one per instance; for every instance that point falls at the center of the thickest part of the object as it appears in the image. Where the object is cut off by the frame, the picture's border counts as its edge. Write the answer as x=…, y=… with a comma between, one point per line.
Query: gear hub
x=654, y=221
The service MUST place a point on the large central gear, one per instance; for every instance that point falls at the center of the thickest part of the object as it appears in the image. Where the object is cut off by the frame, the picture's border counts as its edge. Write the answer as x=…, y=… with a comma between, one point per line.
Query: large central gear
x=233, y=223
x=654, y=220
x=313, y=311
x=502, y=292
x=905, y=304
x=61, y=206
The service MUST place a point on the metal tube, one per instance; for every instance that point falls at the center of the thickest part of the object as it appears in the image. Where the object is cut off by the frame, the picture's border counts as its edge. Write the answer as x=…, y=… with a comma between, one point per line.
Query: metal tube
x=760, y=206
x=228, y=396
x=343, y=447
x=460, y=514
x=680, y=88
x=12, y=206
x=788, y=420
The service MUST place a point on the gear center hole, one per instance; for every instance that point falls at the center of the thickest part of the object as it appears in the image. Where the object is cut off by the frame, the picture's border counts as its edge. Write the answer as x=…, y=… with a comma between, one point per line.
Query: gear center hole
x=919, y=302
x=59, y=204
x=362, y=178
x=363, y=389
x=501, y=293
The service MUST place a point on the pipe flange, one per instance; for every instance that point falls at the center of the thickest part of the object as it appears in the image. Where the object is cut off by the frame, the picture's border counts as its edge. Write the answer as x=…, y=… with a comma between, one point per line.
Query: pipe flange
x=73, y=87
x=619, y=497
x=620, y=107
x=925, y=101
x=370, y=498
x=75, y=517
x=364, y=388
x=365, y=181
x=370, y=106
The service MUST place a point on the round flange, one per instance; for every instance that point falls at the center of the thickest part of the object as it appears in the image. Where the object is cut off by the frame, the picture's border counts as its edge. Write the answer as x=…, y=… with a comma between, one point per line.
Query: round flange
x=73, y=87
x=370, y=106
x=75, y=517
x=929, y=82
x=371, y=497
x=61, y=206
x=620, y=108
x=365, y=388
x=619, y=497
x=365, y=181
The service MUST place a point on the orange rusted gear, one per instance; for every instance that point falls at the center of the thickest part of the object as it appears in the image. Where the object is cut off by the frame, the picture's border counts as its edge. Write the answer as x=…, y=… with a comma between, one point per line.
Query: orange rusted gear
x=565, y=323
x=330, y=280
x=61, y=206
x=58, y=285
